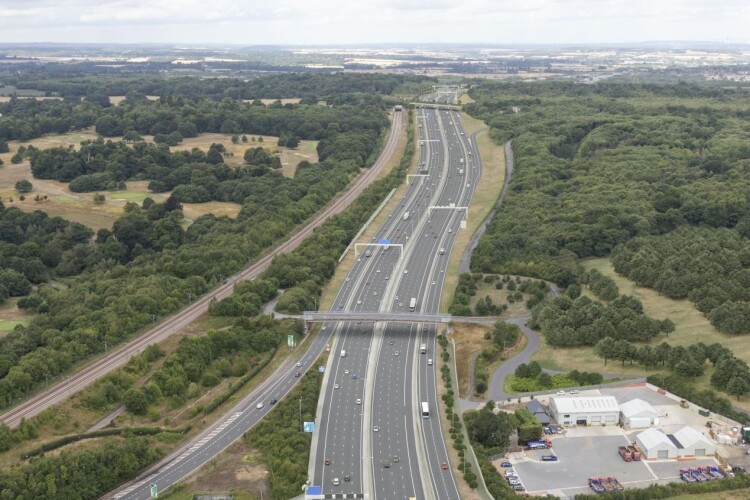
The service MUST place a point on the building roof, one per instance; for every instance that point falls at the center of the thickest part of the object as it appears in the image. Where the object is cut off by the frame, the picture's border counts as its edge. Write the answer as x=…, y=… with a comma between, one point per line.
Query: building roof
x=689, y=437
x=652, y=438
x=638, y=408
x=535, y=406
x=585, y=404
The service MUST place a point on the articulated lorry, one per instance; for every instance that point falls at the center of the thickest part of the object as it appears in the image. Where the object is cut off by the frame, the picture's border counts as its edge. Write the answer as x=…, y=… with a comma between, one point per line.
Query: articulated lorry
x=539, y=444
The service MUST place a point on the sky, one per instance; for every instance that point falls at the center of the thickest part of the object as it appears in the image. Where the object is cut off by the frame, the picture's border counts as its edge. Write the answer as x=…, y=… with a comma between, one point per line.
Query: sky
x=321, y=22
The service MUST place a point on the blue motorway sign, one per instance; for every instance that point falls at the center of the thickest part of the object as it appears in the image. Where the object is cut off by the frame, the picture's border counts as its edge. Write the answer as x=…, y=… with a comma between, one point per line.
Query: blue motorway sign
x=309, y=427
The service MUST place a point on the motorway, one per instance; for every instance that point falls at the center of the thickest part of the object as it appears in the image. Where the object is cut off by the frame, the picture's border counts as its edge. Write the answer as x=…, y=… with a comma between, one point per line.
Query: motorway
x=245, y=415
x=370, y=437
x=118, y=357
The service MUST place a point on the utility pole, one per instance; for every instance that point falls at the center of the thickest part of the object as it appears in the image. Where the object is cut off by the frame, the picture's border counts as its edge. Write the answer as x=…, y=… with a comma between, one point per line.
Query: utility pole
x=105, y=348
x=300, y=414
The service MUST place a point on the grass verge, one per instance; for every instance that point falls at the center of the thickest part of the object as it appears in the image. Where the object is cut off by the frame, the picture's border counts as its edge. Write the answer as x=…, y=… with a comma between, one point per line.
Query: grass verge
x=488, y=190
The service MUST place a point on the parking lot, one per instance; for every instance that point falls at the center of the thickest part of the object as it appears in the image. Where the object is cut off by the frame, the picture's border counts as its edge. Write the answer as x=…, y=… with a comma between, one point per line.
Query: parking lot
x=580, y=458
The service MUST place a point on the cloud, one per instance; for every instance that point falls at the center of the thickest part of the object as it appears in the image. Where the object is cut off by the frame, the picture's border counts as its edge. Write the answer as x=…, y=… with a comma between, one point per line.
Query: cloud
x=367, y=21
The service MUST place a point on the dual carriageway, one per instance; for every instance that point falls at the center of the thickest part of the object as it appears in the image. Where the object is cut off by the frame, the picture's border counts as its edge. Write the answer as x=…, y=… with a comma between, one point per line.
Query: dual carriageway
x=371, y=437
x=369, y=427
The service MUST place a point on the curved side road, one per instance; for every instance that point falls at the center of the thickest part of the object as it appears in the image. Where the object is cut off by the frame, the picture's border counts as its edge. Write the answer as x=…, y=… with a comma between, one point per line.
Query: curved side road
x=118, y=357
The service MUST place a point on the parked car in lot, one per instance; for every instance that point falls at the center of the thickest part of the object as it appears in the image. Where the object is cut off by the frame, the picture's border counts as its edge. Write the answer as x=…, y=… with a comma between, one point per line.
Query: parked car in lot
x=506, y=464
x=549, y=458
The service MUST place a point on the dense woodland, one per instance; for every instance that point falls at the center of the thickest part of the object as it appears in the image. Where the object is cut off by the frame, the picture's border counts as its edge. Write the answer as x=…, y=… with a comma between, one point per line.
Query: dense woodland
x=655, y=176
x=600, y=164
x=106, y=287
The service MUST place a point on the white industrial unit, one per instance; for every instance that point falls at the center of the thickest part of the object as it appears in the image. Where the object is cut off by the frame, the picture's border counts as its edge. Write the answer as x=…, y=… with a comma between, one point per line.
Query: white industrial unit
x=693, y=443
x=638, y=414
x=654, y=444
x=595, y=410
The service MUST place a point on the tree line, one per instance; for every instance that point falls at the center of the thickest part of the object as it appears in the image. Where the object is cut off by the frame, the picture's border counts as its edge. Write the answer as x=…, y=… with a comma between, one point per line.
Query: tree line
x=581, y=321
x=730, y=373
x=708, y=266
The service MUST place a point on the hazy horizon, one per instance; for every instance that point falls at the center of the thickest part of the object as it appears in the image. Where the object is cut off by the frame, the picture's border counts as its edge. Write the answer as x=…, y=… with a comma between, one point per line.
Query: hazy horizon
x=342, y=22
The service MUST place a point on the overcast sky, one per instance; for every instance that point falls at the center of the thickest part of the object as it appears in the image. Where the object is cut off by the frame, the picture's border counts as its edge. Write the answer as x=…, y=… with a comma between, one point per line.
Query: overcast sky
x=373, y=21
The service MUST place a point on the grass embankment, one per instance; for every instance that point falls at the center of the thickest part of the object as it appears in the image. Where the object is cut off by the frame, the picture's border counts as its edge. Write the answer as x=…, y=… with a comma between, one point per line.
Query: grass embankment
x=76, y=414
x=80, y=207
x=343, y=268
x=691, y=327
x=488, y=190
x=272, y=456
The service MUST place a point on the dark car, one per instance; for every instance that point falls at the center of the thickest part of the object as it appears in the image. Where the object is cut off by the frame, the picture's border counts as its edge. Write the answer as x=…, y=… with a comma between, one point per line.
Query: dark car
x=274, y=401
x=506, y=464
x=297, y=374
x=549, y=458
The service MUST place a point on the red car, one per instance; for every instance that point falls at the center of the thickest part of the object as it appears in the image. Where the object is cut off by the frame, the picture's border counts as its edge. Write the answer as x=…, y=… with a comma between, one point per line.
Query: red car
x=445, y=466
x=328, y=461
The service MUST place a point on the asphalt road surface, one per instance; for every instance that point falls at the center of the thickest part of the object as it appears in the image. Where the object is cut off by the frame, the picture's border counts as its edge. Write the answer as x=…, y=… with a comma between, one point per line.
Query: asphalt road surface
x=371, y=437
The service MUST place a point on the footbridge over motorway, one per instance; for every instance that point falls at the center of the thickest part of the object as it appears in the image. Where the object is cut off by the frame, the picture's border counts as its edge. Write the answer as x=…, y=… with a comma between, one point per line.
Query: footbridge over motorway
x=391, y=317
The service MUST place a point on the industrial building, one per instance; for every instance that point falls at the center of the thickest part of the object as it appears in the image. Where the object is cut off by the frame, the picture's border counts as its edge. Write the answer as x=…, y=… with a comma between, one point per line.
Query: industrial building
x=594, y=410
x=638, y=414
x=655, y=444
x=691, y=442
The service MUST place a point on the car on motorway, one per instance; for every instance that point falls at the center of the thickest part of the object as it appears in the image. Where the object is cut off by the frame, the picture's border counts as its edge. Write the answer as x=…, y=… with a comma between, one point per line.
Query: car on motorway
x=335, y=386
x=328, y=461
x=336, y=481
x=346, y=372
x=347, y=478
x=359, y=401
x=433, y=282
x=396, y=459
x=444, y=466
x=274, y=401
x=429, y=362
x=355, y=376
x=406, y=271
x=387, y=278
x=299, y=364
x=348, y=279
x=259, y=406
x=375, y=429
x=386, y=464
x=359, y=302
x=297, y=374
x=390, y=342
x=400, y=304
x=377, y=271
x=395, y=353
